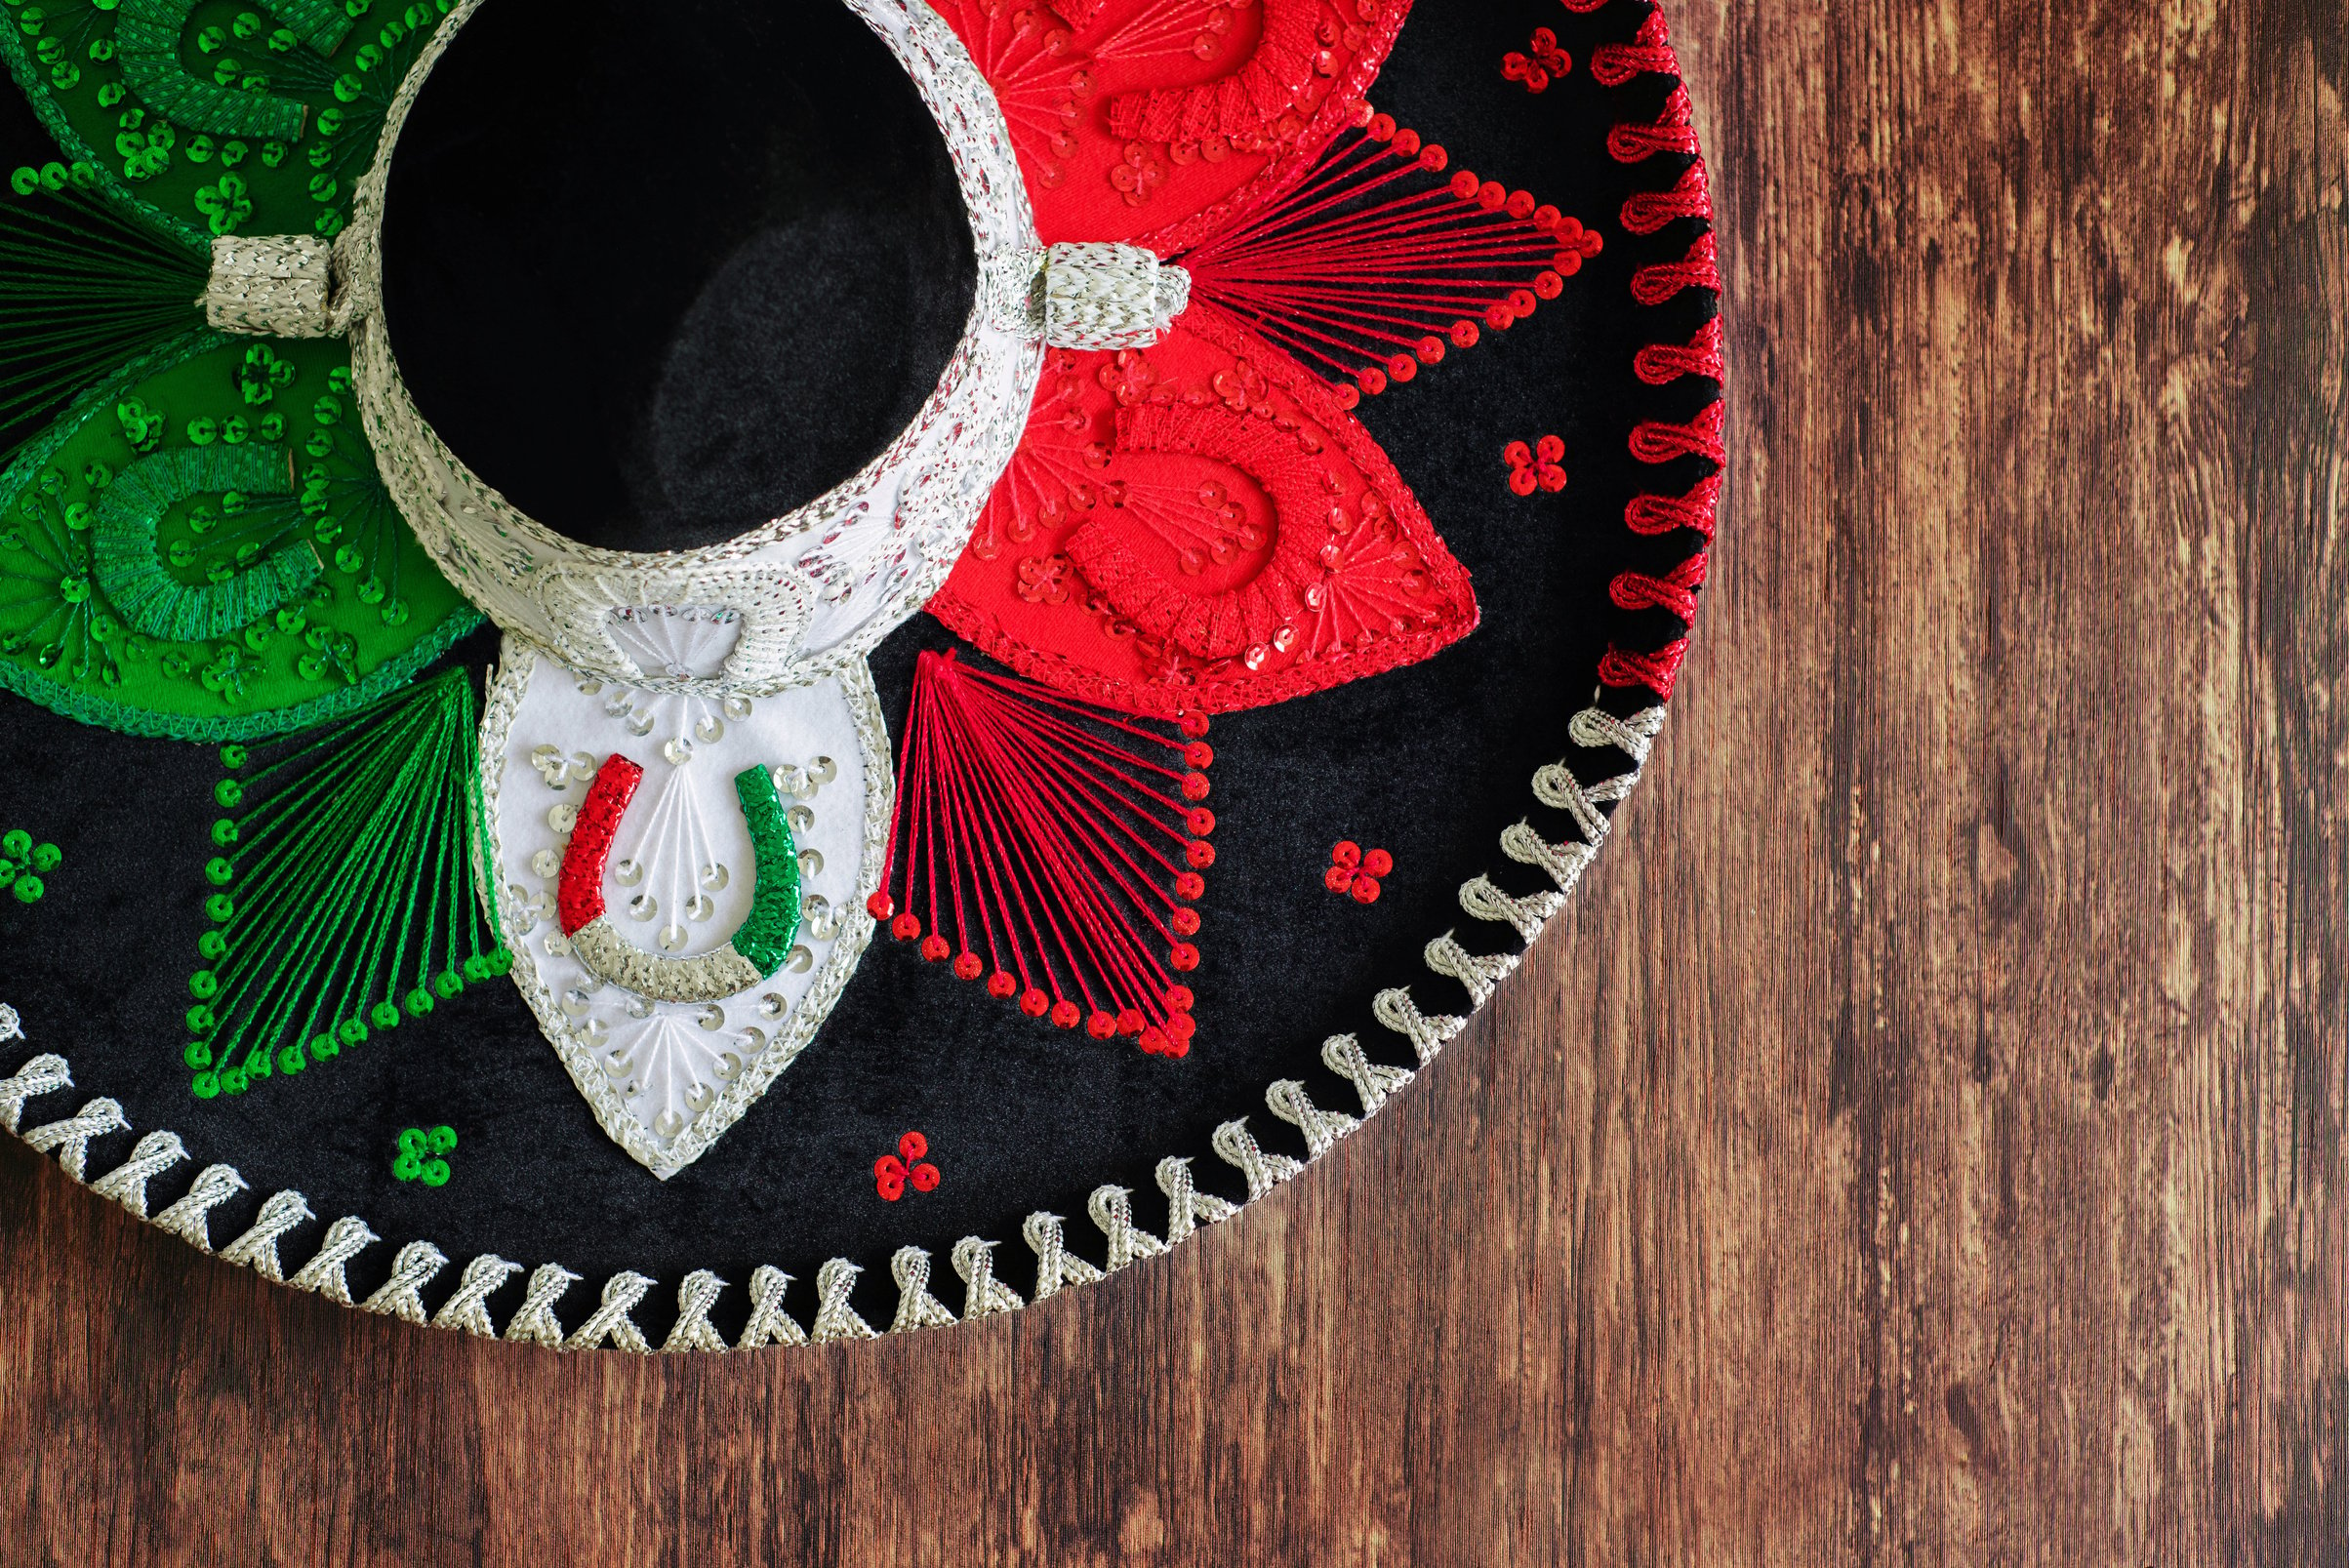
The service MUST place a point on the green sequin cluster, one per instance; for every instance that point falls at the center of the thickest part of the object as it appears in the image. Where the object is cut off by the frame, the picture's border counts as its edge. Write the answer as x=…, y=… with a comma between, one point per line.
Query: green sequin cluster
x=766, y=933
x=424, y=1154
x=219, y=116
x=341, y=897
x=24, y=864
x=204, y=548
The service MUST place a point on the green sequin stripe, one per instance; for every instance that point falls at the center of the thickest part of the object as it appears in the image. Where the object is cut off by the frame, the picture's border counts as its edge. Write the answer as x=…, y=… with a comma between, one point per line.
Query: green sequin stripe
x=146, y=41
x=127, y=553
x=766, y=935
x=341, y=892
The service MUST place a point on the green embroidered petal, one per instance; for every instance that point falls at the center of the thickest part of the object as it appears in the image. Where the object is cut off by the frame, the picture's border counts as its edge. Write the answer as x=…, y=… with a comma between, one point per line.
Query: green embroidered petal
x=773, y=923
x=203, y=548
x=214, y=119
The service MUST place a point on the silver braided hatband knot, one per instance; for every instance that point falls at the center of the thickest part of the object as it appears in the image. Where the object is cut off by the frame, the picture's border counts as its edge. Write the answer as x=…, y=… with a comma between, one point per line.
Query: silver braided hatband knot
x=1098, y=297
x=273, y=286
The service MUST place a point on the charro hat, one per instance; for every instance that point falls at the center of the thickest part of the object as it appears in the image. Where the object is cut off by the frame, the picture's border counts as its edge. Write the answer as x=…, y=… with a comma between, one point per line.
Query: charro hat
x=763, y=672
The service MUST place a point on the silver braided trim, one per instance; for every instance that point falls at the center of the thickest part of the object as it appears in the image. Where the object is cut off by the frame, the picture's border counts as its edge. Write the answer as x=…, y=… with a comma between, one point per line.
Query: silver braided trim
x=466, y=1309
x=214, y=1184
x=1098, y=297
x=982, y=1294
x=43, y=1075
x=126, y=1183
x=1058, y=1267
x=410, y=1271
x=257, y=1248
x=70, y=1138
x=534, y=1322
x=272, y=285
x=692, y=1331
x=769, y=1323
x=1322, y=1129
x=611, y=1321
x=1113, y=1210
x=917, y=1307
x=835, y=1319
x=345, y=1239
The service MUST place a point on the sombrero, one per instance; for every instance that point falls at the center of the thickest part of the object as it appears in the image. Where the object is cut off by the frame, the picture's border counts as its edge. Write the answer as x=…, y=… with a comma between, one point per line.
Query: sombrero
x=745, y=674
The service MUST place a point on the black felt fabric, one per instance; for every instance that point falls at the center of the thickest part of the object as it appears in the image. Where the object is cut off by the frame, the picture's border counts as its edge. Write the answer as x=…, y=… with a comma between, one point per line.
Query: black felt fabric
x=660, y=275
x=1431, y=762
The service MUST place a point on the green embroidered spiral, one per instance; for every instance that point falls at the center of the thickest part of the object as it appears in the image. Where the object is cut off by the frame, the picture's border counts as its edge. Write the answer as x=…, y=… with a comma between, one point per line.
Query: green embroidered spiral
x=341, y=894
x=127, y=552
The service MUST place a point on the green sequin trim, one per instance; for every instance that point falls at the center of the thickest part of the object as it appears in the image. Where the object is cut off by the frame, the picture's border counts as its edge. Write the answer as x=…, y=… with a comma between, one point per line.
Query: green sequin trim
x=340, y=888
x=128, y=554
x=767, y=933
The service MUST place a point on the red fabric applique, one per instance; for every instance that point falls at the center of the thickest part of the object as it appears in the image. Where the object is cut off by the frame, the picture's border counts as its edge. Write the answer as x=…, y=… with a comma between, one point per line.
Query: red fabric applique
x=1054, y=848
x=1230, y=535
x=1129, y=116
x=893, y=1173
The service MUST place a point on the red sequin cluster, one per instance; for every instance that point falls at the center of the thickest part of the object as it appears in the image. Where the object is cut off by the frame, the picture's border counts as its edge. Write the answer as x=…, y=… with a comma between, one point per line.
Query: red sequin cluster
x=1542, y=61
x=1535, y=467
x=1356, y=873
x=893, y=1173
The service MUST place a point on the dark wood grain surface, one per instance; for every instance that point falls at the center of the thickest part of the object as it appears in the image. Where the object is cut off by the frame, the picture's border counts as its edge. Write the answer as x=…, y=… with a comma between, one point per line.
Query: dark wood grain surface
x=1922, y=1142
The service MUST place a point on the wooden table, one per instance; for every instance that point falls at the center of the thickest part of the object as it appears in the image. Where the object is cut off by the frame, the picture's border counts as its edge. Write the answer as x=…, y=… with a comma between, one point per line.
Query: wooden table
x=1920, y=1141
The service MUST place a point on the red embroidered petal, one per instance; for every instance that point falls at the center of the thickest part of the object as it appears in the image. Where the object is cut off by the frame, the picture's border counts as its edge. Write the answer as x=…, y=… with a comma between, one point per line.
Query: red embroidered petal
x=1147, y=119
x=1199, y=525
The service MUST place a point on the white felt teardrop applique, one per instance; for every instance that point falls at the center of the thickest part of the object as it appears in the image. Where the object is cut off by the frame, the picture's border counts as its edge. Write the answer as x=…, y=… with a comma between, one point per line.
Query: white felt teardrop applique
x=644, y=844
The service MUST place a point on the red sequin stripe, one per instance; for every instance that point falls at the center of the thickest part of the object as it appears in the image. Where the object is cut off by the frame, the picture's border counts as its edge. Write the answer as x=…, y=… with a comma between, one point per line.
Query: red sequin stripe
x=579, y=895
x=1663, y=441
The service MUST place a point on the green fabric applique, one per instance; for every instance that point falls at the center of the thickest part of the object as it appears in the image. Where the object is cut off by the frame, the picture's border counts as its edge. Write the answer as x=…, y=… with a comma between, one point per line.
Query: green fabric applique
x=340, y=895
x=217, y=116
x=183, y=605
